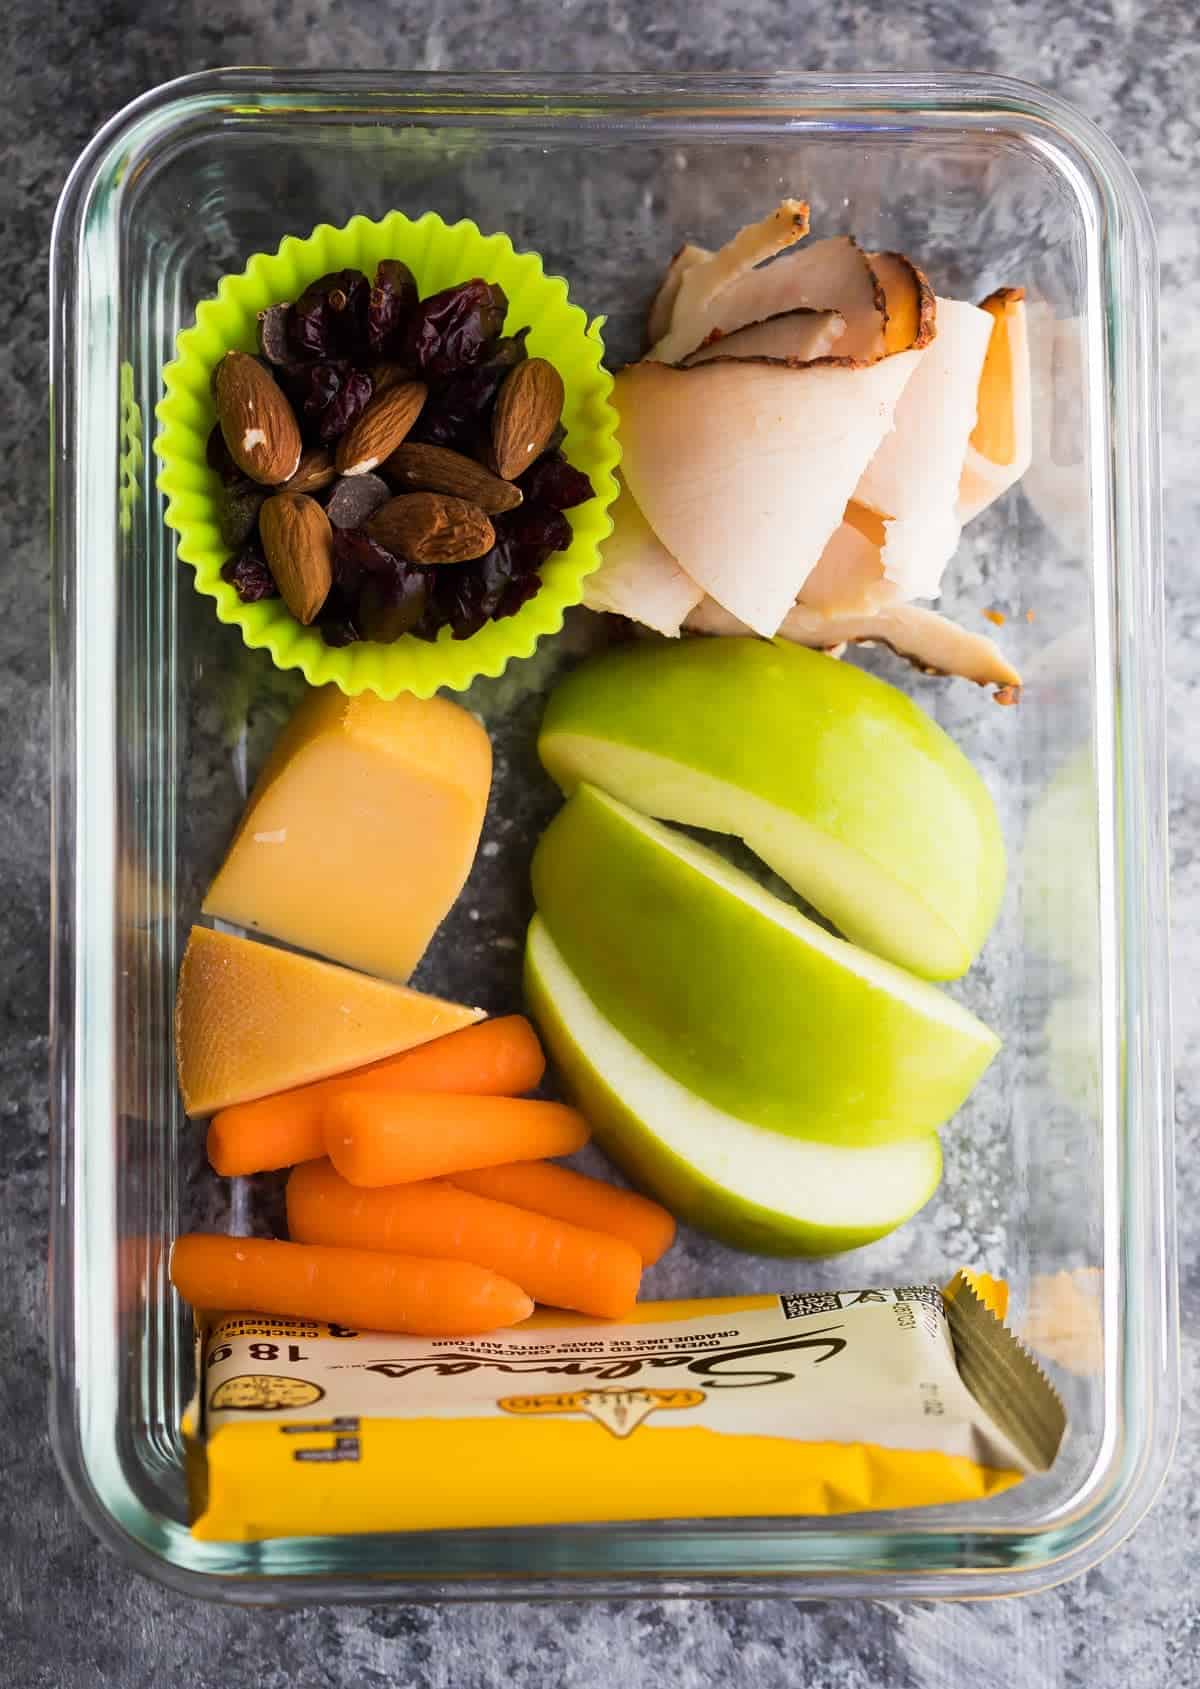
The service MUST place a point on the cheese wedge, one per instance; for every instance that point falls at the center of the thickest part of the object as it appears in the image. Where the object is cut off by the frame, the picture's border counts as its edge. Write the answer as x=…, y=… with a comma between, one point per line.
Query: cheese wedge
x=361, y=830
x=250, y=1020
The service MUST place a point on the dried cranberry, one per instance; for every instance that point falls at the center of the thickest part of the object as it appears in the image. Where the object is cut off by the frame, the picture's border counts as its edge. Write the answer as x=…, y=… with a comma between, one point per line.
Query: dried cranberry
x=216, y=454
x=469, y=595
x=391, y=607
x=273, y=334
x=340, y=631
x=452, y=330
x=338, y=617
x=457, y=411
x=329, y=396
x=531, y=532
x=393, y=299
x=354, y=397
x=329, y=320
x=517, y=595
x=311, y=387
x=503, y=354
x=554, y=481
x=249, y=574
x=356, y=556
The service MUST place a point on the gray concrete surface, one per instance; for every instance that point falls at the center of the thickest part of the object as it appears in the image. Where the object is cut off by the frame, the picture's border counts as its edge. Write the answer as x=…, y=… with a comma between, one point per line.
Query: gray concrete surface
x=70, y=1616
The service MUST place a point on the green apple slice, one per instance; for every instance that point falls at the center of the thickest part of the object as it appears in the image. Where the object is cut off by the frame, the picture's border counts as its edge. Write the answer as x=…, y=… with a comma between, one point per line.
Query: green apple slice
x=751, y=1188
x=737, y=995
x=836, y=779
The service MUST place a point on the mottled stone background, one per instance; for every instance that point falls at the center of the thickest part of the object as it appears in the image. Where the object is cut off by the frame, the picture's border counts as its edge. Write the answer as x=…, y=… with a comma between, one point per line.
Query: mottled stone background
x=69, y=1614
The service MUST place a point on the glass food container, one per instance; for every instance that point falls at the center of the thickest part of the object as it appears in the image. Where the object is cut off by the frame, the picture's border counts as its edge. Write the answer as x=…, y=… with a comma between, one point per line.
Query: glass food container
x=1058, y=1171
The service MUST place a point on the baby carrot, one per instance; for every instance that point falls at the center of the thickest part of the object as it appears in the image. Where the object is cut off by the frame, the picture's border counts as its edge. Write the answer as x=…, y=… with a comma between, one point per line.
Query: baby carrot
x=493, y=1058
x=500, y=1057
x=392, y=1140
x=543, y=1188
x=352, y=1287
x=564, y=1266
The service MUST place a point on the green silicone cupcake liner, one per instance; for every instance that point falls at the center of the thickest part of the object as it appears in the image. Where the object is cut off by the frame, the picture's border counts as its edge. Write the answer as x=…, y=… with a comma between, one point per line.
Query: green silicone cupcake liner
x=439, y=254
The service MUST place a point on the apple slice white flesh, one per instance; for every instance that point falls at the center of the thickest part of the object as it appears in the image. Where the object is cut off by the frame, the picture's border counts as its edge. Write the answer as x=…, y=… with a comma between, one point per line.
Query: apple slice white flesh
x=752, y=1188
x=637, y=576
x=744, y=469
x=837, y=780
x=738, y=995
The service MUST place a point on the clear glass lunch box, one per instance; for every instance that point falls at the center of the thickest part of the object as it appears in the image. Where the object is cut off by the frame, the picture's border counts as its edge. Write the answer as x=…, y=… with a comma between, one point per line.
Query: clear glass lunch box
x=1058, y=1172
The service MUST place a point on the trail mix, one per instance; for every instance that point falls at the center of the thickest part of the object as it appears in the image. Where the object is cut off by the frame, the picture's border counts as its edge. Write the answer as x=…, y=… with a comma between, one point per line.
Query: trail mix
x=391, y=464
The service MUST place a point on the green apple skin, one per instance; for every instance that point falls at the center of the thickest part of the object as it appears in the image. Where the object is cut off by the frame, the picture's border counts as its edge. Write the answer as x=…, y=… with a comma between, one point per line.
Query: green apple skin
x=750, y=1188
x=740, y=997
x=834, y=778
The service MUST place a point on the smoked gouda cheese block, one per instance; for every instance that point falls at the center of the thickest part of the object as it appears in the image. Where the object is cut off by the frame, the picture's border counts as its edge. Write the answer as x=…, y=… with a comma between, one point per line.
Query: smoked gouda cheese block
x=361, y=830
x=250, y=1019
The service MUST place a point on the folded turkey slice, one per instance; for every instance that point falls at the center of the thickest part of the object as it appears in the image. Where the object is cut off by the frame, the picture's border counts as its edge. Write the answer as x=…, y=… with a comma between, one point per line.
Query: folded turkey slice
x=658, y=317
x=912, y=481
x=699, y=286
x=910, y=305
x=743, y=467
x=933, y=643
x=735, y=286
x=849, y=578
x=795, y=337
x=1000, y=449
x=638, y=577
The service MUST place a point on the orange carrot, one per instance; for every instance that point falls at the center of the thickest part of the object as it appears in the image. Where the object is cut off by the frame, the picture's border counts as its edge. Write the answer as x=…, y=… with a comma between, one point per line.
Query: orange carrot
x=275, y=1131
x=392, y=1140
x=543, y=1188
x=565, y=1266
x=352, y=1287
x=499, y=1058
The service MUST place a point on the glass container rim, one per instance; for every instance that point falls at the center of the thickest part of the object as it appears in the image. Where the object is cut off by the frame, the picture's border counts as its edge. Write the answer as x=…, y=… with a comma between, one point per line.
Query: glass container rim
x=966, y=1563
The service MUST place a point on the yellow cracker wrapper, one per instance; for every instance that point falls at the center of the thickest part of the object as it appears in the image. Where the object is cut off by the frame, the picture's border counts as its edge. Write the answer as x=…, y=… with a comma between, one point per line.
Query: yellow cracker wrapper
x=753, y=1406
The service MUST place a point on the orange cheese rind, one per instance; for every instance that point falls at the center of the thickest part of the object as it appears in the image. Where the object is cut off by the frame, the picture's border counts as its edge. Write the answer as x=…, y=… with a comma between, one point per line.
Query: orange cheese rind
x=251, y=1019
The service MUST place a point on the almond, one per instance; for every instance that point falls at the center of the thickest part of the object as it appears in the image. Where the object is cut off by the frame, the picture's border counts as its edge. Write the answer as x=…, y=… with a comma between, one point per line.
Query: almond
x=314, y=472
x=298, y=543
x=435, y=469
x=257, y=422
x=528, y=407
x=432, y=528
x=380, y=428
